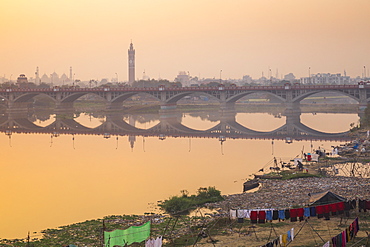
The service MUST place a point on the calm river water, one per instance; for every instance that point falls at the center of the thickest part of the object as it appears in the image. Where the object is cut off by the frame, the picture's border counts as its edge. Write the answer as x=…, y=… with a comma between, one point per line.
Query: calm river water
x=49, y=180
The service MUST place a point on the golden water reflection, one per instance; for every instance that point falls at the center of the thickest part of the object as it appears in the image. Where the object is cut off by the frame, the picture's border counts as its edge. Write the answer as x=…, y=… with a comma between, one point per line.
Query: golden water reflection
x=89, y=121
x=48, y=182
x=260, y=121
x=329, y=122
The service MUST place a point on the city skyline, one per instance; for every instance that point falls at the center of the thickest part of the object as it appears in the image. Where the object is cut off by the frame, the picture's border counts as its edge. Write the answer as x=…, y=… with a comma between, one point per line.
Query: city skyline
x=238, y=38
x=187, y=80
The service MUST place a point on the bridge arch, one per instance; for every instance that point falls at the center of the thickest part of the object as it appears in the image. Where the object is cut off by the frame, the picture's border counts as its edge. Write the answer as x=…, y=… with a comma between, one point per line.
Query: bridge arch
x=74, y=96
x=308, y=94
x=177, y=97
x=28, y=96
x=122, y=97
x=237, y=97
x=300, y=127
x=304, y=128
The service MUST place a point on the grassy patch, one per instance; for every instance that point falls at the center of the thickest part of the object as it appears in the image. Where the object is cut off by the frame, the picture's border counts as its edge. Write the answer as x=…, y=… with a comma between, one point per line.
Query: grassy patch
x=285, y=175
x=298, y=175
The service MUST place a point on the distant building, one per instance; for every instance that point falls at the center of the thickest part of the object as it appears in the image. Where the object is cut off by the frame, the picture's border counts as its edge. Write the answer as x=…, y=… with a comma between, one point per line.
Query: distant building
x=247, y=79
x=104, y=81
x=326, y=78
x=45, y=78
x=263, y=80
x=31, y=79
x=289, y=77
x=22, y=82
x=22, y=79
x=209, y=81
x=183, y=78
x=54, y=78
x=145, y=77
x=64, y=79
x=131, y=64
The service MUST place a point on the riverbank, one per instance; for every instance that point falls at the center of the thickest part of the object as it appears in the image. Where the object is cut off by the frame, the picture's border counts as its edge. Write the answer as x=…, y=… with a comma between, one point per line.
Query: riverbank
x=313, y=232
x=295, y=192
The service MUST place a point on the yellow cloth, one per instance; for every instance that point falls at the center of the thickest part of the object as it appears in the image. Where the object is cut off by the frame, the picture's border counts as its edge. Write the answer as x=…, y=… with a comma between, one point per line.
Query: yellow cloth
x=285, y=239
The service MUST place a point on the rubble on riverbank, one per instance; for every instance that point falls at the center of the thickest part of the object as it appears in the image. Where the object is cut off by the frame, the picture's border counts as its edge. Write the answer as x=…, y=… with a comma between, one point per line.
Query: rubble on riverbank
x=294, y=192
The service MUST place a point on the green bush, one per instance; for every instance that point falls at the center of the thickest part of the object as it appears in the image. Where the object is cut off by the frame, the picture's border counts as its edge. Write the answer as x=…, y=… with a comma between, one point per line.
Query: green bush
x=208, y=193
x=184, y=203
x=176, y=204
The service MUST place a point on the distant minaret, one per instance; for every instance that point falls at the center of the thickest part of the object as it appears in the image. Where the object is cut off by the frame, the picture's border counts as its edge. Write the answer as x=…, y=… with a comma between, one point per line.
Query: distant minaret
x=70, y=73
x=131, y=64
x=37, y=76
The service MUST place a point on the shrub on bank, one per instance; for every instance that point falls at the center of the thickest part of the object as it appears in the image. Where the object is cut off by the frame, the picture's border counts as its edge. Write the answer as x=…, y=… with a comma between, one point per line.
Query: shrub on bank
x=183, y=204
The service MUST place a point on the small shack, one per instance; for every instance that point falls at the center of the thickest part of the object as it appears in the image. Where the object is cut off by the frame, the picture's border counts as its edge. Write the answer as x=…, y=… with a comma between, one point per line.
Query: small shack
x=323, y=198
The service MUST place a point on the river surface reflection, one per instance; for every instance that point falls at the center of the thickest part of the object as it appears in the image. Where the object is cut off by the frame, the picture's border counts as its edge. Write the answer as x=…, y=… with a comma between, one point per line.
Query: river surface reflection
x=51, y=179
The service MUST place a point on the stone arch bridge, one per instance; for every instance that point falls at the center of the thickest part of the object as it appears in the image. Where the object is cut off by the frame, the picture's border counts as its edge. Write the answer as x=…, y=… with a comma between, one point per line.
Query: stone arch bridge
x=168, y=97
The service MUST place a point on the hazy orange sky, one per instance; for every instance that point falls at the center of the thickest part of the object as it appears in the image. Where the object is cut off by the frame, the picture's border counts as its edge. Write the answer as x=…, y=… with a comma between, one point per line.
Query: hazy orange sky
x=239, y=37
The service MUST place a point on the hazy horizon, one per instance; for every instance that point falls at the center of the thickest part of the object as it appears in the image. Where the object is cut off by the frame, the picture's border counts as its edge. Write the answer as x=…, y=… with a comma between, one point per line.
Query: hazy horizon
x=245, y=37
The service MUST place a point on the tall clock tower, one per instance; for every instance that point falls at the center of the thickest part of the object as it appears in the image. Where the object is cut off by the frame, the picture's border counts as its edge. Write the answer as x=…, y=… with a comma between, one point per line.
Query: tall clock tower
x=131, y=64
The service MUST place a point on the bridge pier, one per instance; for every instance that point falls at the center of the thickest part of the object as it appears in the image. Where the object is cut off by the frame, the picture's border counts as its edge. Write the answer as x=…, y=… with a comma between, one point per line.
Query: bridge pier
x=58, y=124
x=168, y=119
x=114, y=106
x=361, y=110
x=109, y=119
x=292, y=108
x=64, y=106
x=66, y=114
x=362, y=106
x=227, y=106
x=165, y=107
x=18, y=107
x=62, y=115
x=12, y=115
x=292, y=115
x=227, y=111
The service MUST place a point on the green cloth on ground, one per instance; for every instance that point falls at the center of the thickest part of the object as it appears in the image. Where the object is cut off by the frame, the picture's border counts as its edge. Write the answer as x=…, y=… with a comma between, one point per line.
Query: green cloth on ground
x=128, y=236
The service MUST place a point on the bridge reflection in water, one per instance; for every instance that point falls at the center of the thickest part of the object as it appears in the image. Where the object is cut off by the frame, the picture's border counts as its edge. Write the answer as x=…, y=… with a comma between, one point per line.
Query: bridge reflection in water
x=170, y=125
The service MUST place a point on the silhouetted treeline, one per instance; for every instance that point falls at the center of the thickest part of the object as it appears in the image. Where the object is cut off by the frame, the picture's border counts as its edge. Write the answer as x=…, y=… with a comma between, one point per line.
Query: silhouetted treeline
x=24, y=85
x=155, y=83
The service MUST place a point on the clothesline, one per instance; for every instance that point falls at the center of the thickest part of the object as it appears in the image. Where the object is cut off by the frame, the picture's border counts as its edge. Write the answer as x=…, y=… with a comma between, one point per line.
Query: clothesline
x=338, y=241
x=321, y=211
x=345, y=236
x=283, y=239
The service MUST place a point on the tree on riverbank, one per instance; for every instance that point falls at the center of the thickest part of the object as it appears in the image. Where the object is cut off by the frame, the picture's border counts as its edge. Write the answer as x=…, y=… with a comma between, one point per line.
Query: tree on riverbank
x=184, y=203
